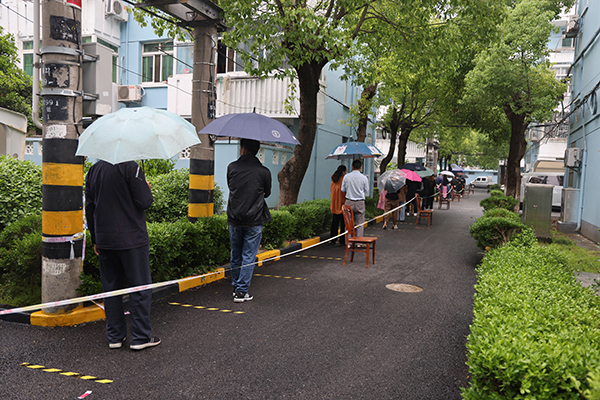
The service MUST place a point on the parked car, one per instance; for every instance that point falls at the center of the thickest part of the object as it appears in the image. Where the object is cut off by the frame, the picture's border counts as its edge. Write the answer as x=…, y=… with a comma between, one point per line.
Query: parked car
x=555, y=179
x=482, y=182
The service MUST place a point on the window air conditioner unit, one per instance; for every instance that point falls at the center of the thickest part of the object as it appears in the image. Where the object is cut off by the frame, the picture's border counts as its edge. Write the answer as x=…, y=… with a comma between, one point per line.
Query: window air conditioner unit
x=572, y=28
x=573, y=157
x=116, y=9
x=129, y=93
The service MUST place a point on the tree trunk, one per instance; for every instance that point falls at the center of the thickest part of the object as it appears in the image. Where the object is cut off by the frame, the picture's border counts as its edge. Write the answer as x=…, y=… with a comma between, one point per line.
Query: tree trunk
x=364, y=106
x=405, y=131
x=518, y=145
x=394, y=125
x=291, y=175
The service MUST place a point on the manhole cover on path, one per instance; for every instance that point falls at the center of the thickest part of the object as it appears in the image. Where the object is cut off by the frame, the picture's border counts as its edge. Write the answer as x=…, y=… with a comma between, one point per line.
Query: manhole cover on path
x=403, y=287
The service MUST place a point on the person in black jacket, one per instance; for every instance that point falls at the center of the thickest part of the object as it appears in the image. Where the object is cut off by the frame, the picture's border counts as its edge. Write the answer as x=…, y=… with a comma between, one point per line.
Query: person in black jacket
x=115, y=199
x=249, y=184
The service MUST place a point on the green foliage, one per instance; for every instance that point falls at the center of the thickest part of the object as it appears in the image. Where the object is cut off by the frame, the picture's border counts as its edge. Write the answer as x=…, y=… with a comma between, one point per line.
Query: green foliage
x=156, y=167
x=535, y=329
x=500, y=201
x=16, y=92
x=578, y=258
x=21, y=260
x=310, y=217
x=496, y=186
x=170, y=192
x=277, y=230
x=495, y=231
x=503, y=213
x=20, y=189
x=496, y=192
x=371, y=210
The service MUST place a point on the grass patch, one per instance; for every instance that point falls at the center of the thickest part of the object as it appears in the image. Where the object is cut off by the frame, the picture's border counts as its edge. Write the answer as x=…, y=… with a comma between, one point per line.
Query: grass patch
x=579, y=259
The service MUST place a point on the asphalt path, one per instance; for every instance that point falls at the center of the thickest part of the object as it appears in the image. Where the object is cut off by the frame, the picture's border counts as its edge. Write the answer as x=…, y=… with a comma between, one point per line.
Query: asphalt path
x=316, y=329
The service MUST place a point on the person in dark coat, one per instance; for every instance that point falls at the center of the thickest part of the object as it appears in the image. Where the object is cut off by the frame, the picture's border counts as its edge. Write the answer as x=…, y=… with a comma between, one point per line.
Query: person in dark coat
x=249, y=184
x=115, y=199
x=427, y=192
x=413, y=187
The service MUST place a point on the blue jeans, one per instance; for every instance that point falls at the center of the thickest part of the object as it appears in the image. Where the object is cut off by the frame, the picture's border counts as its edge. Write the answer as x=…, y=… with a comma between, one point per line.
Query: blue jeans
x=244, y=246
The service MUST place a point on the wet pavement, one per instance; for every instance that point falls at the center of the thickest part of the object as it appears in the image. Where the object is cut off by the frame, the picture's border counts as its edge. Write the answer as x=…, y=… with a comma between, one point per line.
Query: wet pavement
x=316, y=329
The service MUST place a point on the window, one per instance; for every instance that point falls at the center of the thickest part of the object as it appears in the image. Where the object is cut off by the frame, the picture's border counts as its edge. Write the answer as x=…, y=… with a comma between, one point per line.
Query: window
x=28, y=57
x=567, y=42
x=157, y=61
x=185, y=58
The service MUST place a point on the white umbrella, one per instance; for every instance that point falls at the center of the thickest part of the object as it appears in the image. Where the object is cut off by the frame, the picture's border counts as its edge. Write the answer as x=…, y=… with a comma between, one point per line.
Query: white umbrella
x=448, y=173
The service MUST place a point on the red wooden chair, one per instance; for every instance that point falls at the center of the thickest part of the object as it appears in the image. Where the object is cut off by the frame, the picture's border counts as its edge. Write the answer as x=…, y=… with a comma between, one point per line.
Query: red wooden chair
x=423, y=213
x=353, y=242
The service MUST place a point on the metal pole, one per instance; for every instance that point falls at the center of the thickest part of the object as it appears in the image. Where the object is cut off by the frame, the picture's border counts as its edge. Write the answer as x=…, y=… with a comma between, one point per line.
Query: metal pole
x=202, y=156
x=62, y=202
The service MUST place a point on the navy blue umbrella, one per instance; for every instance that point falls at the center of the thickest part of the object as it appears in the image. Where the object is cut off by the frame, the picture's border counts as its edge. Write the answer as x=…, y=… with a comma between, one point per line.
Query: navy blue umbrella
x=250, y=126
x=413, y=167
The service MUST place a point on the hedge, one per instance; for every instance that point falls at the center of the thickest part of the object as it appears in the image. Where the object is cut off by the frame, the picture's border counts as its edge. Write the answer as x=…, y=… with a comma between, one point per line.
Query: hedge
x=535, y=332
x=20, y=189
x=499, y=201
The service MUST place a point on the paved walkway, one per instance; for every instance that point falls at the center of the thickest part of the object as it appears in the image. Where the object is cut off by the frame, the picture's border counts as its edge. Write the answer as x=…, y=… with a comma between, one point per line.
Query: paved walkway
x=316, y=329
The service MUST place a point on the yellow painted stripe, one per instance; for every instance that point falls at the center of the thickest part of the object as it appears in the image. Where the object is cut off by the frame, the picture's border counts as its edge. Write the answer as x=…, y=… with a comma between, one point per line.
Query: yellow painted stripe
x=104, y=381
x=62, y=174
x=266, y=255
x=202, y=182
x=217, y=274
x=379, y=219
x=309, y=242
x=87, y=377
x=77, y=316
x=51, y=370
x=35, y=366
x=69, y=373
x=62, y=223
x=197, y=210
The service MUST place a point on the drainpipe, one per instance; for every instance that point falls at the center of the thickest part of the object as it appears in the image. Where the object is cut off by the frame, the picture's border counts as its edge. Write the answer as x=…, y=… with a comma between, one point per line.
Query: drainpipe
x=35, y=106
x=582, y=179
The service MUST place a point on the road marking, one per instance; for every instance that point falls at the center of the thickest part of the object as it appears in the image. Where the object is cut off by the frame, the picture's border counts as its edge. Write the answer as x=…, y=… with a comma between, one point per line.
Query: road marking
x=321, y=258
x=65, y=373
x=279, y=276
x=205, y=308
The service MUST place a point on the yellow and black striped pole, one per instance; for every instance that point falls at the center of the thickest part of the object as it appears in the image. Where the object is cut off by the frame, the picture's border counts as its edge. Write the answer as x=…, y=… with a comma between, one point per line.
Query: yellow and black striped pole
x=202, y=156
x=62, y=190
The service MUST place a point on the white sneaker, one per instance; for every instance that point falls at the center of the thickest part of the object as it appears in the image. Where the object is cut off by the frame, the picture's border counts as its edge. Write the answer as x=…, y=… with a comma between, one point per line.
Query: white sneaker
x=395, y=226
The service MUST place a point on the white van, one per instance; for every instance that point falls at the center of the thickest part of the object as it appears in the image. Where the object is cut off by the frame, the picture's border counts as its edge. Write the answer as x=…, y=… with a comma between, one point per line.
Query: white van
x=547, y=178
x=482, y=182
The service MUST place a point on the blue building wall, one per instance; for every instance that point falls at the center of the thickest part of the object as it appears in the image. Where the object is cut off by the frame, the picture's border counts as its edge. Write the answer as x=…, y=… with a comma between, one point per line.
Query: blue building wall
x=584, y=122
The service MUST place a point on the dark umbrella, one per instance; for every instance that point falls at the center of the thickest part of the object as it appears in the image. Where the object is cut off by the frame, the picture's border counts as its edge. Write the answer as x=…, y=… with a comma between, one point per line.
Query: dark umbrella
x=250, y=126
x=413, y=167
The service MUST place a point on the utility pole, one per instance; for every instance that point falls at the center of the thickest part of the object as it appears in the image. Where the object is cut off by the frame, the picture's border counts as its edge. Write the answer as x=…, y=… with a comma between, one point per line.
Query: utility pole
x=205, y=17
x=202, y=156
x=62, y=171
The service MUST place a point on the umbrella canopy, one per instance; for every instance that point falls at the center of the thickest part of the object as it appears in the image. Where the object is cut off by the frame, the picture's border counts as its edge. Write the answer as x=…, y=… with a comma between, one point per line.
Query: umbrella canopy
x=456, y=168
x=136, y=134
x=447, y=173
x=411, y=175
x=414, y=167
x=354, y=150
x=391, y=180
x=427, y=172
x=250, y=126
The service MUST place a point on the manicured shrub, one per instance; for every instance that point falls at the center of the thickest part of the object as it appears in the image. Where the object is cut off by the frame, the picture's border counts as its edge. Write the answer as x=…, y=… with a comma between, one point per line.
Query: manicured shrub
x=506, y=202
x=496, y=192
x=535, y=329
x=278, y=230
x=20, y=189
x=21, y=260
x=496, y=186
x=497, y=231
x=310, y=218
x=157, y=167
x=502, y=213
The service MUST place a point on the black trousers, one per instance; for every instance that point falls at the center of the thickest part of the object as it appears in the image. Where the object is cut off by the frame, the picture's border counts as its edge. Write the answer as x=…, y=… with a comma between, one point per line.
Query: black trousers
x=336, y=223
x=133, y=266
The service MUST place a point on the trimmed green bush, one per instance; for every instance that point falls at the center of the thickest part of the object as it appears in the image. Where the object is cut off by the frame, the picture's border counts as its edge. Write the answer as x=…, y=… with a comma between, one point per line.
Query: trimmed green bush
x=502, y=213
x=497, y=231
x=21, y=260
x=278, y=230
x=20, y=189
x=502, y=201
x=310, y=218
x=535, y=329
x=496, y=192
x=496, y=186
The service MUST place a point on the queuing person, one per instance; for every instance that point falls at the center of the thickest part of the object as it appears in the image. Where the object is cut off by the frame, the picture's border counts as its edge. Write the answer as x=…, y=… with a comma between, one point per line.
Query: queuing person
x=438, y=184
x=338, y=198
x=392, y=201
x=116, y=197
x=249, y=184
x=427, y=192
x=413, y=188
x=356, y=187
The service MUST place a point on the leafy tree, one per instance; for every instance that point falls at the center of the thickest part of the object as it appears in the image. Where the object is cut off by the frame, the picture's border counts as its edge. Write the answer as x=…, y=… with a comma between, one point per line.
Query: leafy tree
x=511, y=77
x=15, y=85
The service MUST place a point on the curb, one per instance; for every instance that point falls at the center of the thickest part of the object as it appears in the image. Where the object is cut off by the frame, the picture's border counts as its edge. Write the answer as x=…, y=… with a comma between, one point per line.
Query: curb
x=89, y=312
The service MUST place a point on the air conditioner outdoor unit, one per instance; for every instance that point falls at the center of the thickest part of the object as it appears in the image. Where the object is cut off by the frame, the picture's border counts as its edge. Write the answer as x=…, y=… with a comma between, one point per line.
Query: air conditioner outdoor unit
x=129, y=93
x=116, y=9
x=573, y=157
x=572, y=28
